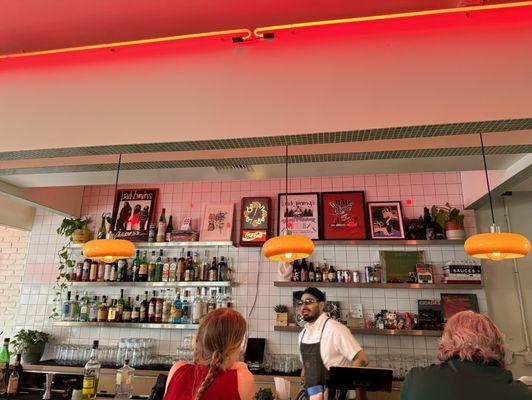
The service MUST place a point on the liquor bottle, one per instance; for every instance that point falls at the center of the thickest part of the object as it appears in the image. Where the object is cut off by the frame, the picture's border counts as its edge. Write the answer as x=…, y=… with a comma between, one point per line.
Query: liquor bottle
x=101, y=272
x=128, y=311
x=121, y=270
x=181, y=266
x=223, y=270
x=197, y=267
x=103, y=310
x=93, y=272
x=186, y=314
x=318, y=274
x=135, y=312
x=14, y=377
x=205, y=265
x=136, y=268
x=213, y=270
x=296, y=271
x=124, y=381
x=196, y=307
x=85, y=273
x=75, y=309
x=4, y=366
x=159, y=305
x=111, y=314
x=151, y=307
x=227, y=300
x=143, y=268
x=173, y=270
x=144, y=309
x=65, y=308
x=325, y=271
x=332, y=274
x=159, y=267
x=211, y=305
x=189, y=270
x=166, y=271
x=107, y=273
x=93, y=310
x=304, y=271
x=169, y=229
x=84, y=308
x=161, y=227
x=177, y=308
x=311, y=272
x=120, y=305
x=76, y=275
x=151, y=267
x=167, y=307
x=91, y=374
x=113, y=277
x=204, y=302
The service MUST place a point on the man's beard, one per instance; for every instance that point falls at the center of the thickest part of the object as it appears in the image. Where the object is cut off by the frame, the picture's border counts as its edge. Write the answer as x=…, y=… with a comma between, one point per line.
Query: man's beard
x=310, y=318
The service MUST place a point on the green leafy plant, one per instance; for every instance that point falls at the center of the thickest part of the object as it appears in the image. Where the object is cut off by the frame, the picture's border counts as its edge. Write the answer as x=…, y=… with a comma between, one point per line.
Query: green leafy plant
x=24, y=339
x=443, y=214
x=69, y=225
x=264, y=394
x=280, y=308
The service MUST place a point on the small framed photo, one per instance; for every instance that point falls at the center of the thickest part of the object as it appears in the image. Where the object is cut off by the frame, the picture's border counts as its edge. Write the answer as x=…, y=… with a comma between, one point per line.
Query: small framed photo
x=343, y=215
x=452, y=303
x=300, y=211
x=386, y=220
x=217, y=223
x=255, y=221
x=133, y=212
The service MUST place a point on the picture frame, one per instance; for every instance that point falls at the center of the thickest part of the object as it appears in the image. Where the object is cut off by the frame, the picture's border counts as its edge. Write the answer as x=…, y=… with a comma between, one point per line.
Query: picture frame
x=217, y=222
x=452, y=303
x=133, y=212
x=255, y=221
x=385, y=220
x=303, y=214
x=343, y=215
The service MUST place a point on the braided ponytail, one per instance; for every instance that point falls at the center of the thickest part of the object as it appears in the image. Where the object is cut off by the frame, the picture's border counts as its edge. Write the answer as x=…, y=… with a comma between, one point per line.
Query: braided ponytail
x=215, y=367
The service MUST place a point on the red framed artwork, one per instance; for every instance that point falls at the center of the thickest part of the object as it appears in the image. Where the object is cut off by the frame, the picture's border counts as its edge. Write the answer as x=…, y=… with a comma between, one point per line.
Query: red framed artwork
x=343, y=215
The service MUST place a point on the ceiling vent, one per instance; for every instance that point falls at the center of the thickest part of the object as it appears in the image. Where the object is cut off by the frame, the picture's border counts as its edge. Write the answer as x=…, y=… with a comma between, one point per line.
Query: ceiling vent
x=234, y=167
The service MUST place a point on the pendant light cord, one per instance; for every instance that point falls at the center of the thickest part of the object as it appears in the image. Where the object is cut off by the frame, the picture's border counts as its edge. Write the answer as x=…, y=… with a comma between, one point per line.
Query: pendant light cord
x=487, y=179
x=286, y=187
x=118, y=171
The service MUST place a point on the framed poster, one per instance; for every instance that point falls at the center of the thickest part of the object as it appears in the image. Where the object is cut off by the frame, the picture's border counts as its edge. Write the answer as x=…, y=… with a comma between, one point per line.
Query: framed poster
x=132, y=213
x=302, y=213
x=343, y=215
x=386, y=220
x=217, y=223
x=255, y=221
x=452, y=303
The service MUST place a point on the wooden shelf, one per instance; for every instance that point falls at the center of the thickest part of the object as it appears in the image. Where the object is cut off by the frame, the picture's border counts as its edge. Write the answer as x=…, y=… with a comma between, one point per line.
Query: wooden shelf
x=389, y=242
x=168, y=245
x=155, y=284
x=125, y=325
x=371, y=331
x=380, y=285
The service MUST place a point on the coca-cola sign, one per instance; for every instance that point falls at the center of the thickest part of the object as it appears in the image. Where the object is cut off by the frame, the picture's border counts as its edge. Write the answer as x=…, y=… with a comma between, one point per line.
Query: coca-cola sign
x=254, y=236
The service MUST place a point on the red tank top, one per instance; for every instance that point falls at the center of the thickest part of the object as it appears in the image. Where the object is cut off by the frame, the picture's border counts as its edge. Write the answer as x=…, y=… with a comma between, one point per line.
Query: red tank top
x=187, y=379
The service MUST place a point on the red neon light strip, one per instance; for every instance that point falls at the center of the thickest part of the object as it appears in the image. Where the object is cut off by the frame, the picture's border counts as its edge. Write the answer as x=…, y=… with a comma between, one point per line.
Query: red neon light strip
x=259, y=32
x=245, y=33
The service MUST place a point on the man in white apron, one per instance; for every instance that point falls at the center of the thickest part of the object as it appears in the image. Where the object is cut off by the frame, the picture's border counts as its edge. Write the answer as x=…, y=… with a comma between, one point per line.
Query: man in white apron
x=323, y=343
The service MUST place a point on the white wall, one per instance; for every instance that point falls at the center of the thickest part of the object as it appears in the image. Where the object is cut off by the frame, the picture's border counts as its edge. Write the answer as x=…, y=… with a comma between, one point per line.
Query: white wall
x=382, y=74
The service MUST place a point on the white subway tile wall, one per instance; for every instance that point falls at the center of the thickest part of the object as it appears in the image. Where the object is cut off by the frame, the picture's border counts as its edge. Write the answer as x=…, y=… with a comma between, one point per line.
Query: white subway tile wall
x=255, y=294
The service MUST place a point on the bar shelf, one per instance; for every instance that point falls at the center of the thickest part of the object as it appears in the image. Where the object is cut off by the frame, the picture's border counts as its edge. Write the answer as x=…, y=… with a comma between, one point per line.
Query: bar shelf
x=389, y=242
x=380, y=285
x=169, y=245
x=72, y=324
x=154, y=284
x=372, y=331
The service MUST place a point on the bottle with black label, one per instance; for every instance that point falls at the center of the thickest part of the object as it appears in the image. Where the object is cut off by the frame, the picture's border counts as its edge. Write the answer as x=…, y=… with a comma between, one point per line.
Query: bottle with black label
x=189, y=270
x=296, y=271
x=135, y=312
x=332, y=274
x=127, y=312
x=144, y=309
x=213, y=270
x=311, y=272
x=304, y=271
x=143, y=268
x=151, y=307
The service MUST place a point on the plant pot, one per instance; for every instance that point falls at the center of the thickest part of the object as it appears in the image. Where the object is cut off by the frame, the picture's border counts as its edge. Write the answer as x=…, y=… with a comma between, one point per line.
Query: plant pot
x=81, y=236
x=452, y=226
x=281, y=319
x=455, y=234
x=33, y=354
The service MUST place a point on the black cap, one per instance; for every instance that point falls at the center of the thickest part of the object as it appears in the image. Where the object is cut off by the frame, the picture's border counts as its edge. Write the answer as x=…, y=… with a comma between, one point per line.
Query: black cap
x=317, y=293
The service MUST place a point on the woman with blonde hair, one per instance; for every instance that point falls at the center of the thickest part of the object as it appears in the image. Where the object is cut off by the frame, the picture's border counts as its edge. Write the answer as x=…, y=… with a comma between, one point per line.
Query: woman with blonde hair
x=472, y=354
x=215, y=374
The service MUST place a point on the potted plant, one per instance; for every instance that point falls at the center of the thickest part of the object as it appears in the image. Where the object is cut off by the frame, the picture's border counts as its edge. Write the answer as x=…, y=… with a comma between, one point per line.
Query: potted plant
x=75, y=229
x=264, y=394
x=451, y=220
x=282, y=315
x=30, y=344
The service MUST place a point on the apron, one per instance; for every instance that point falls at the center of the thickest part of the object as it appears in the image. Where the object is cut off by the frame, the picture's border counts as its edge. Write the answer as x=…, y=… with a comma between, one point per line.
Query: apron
x=315, y=371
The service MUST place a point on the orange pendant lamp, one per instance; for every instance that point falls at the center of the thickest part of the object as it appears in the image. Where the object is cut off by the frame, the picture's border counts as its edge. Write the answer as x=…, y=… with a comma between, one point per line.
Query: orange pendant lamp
x=109, y=249
x=287, y=247
x=495, y=245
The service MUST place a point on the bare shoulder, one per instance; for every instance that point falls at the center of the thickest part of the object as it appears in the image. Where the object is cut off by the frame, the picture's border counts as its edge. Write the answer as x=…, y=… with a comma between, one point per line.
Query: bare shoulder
x=246, y=382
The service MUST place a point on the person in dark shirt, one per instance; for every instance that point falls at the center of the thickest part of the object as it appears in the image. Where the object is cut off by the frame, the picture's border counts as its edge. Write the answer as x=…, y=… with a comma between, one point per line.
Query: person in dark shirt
x=472, y=353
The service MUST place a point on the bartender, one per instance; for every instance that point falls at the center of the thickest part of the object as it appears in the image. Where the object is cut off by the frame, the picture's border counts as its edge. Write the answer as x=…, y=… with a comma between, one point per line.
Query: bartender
x=323, y=343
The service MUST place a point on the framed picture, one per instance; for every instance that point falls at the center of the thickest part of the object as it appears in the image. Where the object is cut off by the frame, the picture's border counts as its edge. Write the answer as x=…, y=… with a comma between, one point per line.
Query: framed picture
x=133, y=212
x=452, y=303
x=217, y=223
x=343, y=215
x=301, y=211
x=386, y=220
x=255, y=221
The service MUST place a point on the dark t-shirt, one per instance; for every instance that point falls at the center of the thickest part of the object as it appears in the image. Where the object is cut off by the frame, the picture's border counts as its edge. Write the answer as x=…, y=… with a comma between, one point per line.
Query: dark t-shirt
x=462, y=380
